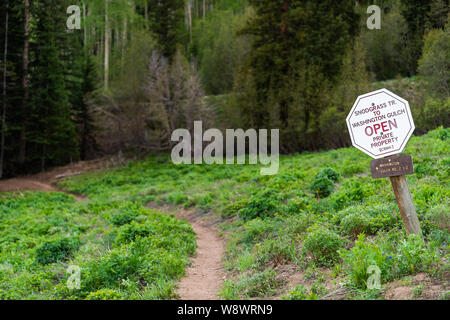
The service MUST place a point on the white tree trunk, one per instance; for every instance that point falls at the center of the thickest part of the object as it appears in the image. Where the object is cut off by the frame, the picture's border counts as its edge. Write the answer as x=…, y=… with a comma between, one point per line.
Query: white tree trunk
x=107, y=39
x=189, y=18
x=204, y=9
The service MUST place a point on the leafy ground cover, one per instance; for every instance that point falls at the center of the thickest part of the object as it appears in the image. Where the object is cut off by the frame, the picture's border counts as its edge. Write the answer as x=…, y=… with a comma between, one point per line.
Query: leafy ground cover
x=124, y=250
x=309, y=231
x=321, y=214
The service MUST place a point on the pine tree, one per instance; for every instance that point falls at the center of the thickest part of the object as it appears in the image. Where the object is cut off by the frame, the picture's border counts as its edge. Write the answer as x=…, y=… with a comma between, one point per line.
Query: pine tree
x=167, y=22
x=420, y=16
x=82, y=108
x=298, y=48
x=14, y=68
x=51, y=130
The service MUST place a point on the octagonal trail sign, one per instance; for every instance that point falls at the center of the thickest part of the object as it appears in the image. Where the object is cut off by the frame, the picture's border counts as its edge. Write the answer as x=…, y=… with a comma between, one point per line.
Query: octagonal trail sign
x=380, y=123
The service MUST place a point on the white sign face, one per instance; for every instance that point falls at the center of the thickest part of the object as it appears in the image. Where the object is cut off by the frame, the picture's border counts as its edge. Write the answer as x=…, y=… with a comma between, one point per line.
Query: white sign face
x=380, y=123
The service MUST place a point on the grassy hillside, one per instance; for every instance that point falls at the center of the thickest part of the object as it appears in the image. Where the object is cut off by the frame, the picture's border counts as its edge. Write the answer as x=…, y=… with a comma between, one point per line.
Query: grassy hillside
x=304, y=233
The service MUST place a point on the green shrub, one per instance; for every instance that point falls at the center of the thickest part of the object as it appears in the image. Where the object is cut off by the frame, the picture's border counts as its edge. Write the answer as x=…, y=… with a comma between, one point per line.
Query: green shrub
x=383, y=217
x=263, y=283
x=424, y=168
x=299, y=223
x=439, y=238
x=177, y=198
x=352, y=169
x=299, y=292
x=260, y=205
x=322, y=187
x=229, y=291
x=330, y=173
x=233, y=208
x=323, y=245
x=104, y=294
x=56, y=250
x=439, y=217
x=356, y=223
x=413, y=256
x=296, y=205
x=257, y=229
x=130, y=232
x=363, y=255
x=277, y=251
x=122, y=218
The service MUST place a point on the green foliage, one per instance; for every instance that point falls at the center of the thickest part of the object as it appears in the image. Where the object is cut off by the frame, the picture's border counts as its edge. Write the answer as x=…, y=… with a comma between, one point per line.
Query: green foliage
x=363, y=255
x=356, y=223
x=298, y=293
x=323, y=245
x=51, y=131
x=257, y=229
x=56, y=250
x=420, y=17
x=289, y=67
x=263, y=284
x=395, y=257
x=141, y=253
x=124, y=250
x=122, y=218
x=434, y=63
x=385, y=49
x=322, y=187
x=218, y=49
x=413, y=256
x=167, y=23
x=261, y=205
x=104, y=294
x=330, y=173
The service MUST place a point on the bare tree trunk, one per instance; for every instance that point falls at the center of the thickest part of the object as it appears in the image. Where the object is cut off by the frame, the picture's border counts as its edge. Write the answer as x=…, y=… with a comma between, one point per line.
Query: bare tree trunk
x=26, y=46
x=84, y=27
x=5, y=56
x=189, y=18
x=204, y=9
x=124, y=39
x=107, y=36
x=146, y=10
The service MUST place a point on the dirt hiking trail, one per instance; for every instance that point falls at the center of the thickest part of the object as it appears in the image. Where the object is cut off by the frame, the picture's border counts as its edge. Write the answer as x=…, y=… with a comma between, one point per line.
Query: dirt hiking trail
x=205, y=274
x=44, y=181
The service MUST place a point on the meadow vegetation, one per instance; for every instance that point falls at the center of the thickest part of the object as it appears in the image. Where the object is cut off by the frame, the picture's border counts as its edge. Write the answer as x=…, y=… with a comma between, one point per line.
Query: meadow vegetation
x=124, y=250
x=322, y=211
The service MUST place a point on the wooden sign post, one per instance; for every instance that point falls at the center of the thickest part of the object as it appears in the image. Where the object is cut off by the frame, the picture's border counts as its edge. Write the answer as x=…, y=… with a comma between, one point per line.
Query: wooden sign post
x=405, y=204
x=396, y=168
x=380, y=124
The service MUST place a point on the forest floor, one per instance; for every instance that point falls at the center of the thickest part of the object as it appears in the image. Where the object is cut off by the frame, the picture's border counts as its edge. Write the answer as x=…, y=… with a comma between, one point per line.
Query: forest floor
x=205, y=274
